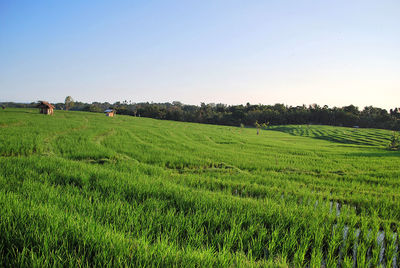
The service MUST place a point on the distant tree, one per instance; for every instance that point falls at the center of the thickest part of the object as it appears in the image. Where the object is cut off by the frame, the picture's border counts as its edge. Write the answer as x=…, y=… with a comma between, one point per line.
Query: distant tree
x=59, y=106
x=177, y=103
x=69, y=102
x=351, y=109
x=96, y=108
x=395, y=112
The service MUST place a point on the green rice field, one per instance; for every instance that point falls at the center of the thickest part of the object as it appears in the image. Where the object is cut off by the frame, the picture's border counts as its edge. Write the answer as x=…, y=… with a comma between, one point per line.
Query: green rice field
x=82, y=189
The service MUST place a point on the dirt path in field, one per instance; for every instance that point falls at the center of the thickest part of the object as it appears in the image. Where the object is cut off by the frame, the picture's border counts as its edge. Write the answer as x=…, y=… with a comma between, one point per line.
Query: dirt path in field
x=100, y=137
x=48, y=149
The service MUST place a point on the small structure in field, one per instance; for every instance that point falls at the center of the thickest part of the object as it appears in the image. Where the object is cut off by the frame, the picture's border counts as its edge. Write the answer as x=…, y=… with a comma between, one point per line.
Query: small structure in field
x=45, y=107
x=109, y=112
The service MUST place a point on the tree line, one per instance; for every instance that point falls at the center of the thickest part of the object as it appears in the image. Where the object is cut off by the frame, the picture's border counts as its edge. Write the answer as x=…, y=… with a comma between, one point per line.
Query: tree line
x=237, y=115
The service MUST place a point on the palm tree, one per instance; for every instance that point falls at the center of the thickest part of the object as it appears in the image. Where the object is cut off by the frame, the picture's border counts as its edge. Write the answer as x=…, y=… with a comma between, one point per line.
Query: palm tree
x=69, y=102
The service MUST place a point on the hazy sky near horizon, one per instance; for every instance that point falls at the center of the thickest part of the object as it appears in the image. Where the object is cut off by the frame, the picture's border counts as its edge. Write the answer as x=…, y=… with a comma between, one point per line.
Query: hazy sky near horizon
x=294, y=52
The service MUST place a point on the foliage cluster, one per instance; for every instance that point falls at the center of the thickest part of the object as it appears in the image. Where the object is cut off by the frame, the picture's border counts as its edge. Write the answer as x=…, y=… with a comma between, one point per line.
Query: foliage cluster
x=235, y=115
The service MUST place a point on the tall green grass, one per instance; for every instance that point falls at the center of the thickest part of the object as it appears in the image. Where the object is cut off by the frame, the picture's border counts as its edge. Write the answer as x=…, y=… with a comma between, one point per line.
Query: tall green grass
x=82, y=189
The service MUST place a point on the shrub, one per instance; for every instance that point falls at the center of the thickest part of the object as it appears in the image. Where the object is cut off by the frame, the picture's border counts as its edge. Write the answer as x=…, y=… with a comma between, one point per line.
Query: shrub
x=394, y=142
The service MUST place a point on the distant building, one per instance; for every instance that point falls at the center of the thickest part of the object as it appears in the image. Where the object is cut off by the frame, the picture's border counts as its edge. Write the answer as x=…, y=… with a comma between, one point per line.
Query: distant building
x=45, y=107
x=109, y=112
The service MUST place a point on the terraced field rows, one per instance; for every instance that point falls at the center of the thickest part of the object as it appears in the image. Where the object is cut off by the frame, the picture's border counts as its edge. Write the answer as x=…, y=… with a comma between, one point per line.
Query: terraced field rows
x=84, y=189
x=371, y=137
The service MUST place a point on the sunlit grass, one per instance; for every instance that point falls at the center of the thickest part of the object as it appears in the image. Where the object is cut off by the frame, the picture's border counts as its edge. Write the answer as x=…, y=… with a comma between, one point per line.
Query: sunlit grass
x=83, y=189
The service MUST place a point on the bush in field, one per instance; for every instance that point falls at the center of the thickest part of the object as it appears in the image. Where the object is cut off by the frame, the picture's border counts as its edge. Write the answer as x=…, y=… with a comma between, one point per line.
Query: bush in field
x=394, y=142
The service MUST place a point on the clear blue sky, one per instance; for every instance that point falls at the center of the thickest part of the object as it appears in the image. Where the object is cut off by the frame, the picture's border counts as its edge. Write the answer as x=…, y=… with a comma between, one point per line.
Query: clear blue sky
x=335, y=52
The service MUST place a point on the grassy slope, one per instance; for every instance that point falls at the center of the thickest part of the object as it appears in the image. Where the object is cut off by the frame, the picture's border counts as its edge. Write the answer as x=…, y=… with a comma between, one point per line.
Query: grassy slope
x=83, y=189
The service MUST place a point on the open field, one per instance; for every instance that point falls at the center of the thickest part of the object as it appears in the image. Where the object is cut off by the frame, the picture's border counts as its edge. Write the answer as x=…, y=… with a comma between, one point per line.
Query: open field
x=83, y=189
